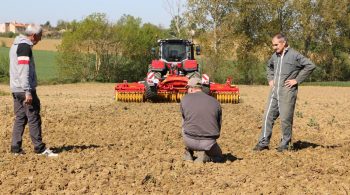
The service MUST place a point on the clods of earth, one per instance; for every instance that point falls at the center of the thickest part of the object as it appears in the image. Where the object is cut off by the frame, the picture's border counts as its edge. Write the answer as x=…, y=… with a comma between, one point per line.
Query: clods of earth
x=109, y=147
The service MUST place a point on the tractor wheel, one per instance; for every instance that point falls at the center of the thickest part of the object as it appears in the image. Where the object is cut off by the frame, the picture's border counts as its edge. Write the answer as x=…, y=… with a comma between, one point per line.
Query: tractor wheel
x=150, y=92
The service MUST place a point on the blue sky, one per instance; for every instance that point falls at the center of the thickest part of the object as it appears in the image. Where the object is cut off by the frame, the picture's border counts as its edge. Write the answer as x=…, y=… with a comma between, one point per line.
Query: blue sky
x=40, y=11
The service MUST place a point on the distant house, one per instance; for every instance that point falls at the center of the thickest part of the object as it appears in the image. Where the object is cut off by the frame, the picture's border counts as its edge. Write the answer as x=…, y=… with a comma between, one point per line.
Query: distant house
x=14, y=27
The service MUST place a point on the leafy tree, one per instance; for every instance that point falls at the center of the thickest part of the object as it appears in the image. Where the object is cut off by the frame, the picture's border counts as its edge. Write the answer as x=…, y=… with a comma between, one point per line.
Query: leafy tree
x=209, y=19
x=97, y=50
x=322, y=27
x=178, y=28
x=210, y=16
x=83, y=49
x=136, y=41
x=241, y=31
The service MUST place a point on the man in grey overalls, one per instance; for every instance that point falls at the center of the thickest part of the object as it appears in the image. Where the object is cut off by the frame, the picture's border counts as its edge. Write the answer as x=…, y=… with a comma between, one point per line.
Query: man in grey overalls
x=286, y=69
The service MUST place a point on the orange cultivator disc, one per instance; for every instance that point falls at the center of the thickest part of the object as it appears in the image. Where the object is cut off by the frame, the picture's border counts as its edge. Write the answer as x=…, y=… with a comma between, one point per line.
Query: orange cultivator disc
x=129, y=92
x=170, y=96
x=129, y=97
x=227, y=97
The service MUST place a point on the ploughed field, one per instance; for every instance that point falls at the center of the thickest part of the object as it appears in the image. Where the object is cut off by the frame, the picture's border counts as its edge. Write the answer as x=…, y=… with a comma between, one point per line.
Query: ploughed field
x=108, y=147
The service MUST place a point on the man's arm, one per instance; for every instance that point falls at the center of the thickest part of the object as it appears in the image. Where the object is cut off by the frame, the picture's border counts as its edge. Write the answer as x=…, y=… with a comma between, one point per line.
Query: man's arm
x=24, y=52
x=182, y=111
x=219, y=117
x=307, y=68
x=270, y=70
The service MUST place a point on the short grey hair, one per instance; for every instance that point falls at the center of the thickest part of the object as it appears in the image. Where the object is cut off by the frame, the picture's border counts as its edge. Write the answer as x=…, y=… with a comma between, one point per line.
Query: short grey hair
x=281, y=36
x=33, y=29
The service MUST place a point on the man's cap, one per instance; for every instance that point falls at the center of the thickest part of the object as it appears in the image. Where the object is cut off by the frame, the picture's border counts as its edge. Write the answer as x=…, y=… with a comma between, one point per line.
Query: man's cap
x=194, y=82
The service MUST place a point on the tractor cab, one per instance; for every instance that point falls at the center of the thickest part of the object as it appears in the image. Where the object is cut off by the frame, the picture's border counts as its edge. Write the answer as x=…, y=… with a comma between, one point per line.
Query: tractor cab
x=175, y=50
x=175, y=56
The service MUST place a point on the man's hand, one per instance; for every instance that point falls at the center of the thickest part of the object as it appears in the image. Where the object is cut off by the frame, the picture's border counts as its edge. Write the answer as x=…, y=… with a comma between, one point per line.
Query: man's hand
x=28, y=100
x=290, y=83
x=271, y=83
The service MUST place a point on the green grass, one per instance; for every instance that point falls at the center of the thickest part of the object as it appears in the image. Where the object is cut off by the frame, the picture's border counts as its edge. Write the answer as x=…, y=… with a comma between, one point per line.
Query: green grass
x=328, y=83
x=45, y=61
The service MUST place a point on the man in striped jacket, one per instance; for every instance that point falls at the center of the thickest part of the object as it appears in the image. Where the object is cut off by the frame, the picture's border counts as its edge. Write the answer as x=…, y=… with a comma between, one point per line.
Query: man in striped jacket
x=286, y=69
x=23, y=84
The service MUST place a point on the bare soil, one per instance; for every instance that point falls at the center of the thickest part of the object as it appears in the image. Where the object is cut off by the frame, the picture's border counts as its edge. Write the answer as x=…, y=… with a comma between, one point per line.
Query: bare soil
x=108, y=147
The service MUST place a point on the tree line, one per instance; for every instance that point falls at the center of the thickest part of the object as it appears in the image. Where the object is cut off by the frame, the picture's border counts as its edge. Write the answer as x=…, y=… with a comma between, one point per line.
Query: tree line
x=235, y=36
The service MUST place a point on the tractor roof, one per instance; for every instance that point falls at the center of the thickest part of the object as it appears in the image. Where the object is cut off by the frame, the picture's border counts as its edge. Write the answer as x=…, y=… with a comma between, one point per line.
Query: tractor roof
x=174, y=41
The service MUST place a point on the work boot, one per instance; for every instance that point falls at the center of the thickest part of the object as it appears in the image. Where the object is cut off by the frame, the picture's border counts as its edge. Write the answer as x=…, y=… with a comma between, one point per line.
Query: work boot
x=202, y=157
x=258, y=147
x=218, y=159
x=282, y=148
x=188, y=155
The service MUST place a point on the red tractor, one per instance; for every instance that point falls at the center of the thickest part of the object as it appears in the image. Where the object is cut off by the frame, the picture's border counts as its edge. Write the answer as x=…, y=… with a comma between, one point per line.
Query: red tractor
x=168, y=76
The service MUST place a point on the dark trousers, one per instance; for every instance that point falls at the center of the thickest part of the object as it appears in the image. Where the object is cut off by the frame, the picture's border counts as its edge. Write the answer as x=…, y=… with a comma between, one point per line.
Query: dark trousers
x=27, y=114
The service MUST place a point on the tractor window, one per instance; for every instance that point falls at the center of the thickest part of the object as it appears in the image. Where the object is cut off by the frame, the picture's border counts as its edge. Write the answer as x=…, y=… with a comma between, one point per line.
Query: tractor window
x=174, y=52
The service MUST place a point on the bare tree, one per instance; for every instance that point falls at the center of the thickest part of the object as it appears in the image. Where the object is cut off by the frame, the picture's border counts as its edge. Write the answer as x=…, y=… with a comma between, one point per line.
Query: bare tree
x=173, y=7
x=210, y=16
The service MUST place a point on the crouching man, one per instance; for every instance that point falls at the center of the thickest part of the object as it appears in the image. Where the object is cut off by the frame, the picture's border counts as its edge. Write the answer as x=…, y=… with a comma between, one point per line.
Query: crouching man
x=201, y=124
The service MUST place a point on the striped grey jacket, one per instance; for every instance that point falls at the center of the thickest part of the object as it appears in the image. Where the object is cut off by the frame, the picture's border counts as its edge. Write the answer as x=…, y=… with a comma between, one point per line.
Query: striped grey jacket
x=22, y=66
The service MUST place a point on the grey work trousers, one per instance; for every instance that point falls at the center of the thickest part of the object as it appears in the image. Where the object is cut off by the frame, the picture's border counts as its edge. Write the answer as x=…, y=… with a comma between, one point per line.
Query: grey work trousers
x=281, y=104
x=210, y=146
x=27, y=114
